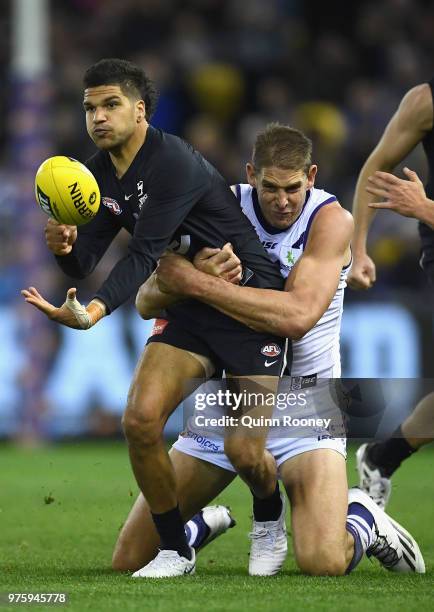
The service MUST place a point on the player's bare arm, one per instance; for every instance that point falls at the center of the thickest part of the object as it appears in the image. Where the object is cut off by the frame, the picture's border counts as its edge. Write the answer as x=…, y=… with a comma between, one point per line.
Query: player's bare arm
x=308, y=291
x=154, y=296
x=412, y=120
x=405, y=197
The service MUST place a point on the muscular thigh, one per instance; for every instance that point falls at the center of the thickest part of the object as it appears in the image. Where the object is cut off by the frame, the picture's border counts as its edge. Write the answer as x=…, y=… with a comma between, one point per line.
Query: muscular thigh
x=316, y=483
x=164, y=376
x=198, y=483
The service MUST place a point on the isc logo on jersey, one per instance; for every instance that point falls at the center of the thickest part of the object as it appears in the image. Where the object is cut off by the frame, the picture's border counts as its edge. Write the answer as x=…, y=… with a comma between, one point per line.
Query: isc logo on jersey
x=271, y=350
x=66, y=190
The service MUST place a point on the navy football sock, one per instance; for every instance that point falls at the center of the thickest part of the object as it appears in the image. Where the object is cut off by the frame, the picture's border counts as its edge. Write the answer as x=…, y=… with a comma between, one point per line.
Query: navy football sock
x=268, y=509
x=170, y=527
x=388, y=455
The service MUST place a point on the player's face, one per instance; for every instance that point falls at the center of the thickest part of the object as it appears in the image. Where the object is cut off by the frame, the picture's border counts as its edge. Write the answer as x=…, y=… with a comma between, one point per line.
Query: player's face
x=111, y=116
x=281, y=192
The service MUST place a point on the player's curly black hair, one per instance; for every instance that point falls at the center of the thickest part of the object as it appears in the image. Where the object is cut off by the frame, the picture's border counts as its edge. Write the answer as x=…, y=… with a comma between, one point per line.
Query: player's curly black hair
x=131, y=79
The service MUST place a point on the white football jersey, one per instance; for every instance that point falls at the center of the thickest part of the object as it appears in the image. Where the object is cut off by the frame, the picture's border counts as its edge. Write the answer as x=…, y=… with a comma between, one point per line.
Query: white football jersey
x=318, y=350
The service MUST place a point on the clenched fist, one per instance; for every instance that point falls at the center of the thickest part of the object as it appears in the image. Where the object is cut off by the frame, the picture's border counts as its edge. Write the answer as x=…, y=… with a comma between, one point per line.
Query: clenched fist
x=60, y=237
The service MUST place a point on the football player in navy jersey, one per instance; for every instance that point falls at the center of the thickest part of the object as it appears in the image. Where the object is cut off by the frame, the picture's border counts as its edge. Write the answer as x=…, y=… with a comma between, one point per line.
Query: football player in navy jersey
x=410, y=125
x=165, y=194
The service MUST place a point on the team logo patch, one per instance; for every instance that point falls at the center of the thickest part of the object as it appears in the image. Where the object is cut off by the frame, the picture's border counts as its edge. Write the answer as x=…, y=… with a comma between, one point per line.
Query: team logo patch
x=271, y=350
x=112, y=205
x=159, y=326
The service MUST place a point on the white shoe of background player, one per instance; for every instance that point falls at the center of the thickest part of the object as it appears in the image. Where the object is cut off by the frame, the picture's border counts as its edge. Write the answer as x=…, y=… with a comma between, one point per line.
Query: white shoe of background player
x=269, y=545
x=371, y=480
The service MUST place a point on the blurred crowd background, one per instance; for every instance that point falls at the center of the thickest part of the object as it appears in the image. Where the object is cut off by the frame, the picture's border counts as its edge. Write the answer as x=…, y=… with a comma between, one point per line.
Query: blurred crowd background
x=224, y=68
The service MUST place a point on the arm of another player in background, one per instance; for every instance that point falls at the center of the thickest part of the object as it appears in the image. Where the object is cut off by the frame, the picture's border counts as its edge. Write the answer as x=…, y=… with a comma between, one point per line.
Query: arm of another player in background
x=406, y=129
x=308, y=291
x=152, y=297
x=405, y=197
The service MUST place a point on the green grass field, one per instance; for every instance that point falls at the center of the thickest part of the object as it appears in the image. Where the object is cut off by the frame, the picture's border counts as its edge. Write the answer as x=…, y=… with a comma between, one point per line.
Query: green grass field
x=65, y=545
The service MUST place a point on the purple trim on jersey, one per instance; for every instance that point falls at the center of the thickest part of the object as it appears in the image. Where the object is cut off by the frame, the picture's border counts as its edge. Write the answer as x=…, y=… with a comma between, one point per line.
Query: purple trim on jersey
x=351, y=261
x=238, y=190
x=312, y=216
x=270, y=229
x=297, y=244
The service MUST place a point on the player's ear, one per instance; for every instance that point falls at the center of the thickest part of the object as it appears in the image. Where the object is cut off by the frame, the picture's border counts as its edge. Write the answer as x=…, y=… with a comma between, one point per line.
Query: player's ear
x=311, y=176
x=140, y=111
x=251, y=174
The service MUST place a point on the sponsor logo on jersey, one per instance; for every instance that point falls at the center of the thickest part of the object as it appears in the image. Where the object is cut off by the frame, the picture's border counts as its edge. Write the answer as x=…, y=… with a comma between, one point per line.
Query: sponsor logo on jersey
x=112, y=205
x=142, y=200
x=270, y=363
x=271, y=350
x=159, y=327
x=267, y=244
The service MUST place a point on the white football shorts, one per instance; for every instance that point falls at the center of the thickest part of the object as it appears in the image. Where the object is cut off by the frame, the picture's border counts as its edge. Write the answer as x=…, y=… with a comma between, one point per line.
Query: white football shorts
x=203, y=445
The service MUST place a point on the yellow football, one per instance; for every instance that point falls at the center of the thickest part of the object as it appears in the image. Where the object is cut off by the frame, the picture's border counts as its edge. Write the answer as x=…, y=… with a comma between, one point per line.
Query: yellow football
x=66, y=190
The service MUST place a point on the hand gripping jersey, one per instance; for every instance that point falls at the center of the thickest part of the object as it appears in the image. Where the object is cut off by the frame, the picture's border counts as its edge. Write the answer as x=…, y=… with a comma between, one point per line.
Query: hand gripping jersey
x=318, y=350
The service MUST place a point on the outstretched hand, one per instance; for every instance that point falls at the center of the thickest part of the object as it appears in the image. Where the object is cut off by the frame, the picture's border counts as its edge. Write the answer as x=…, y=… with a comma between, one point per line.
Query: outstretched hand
x=71, y=313
x=406, y=197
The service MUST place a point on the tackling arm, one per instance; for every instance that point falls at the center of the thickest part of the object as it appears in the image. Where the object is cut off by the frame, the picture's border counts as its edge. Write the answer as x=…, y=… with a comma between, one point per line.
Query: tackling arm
x=308, y=291
x=153, y=297
x=406, y=129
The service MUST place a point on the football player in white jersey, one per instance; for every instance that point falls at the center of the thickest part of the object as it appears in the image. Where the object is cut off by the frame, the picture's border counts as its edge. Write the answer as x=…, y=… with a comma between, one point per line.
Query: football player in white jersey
x=309, y=233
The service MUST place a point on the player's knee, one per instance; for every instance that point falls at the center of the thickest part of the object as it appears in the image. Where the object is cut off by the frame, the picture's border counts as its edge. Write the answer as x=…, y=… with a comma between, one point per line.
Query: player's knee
x=244, y=457
x=144, y=428
x=321, y=561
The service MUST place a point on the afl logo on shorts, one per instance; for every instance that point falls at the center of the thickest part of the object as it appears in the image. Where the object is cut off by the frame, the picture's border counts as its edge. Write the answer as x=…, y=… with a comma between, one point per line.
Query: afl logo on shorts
x=271, y=350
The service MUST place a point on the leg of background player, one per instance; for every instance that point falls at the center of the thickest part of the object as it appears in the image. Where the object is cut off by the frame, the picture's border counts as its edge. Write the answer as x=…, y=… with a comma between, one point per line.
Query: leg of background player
x=377, y=461
x=418, y=428
x=159, y=385
x=199, y=482
x=316, y=483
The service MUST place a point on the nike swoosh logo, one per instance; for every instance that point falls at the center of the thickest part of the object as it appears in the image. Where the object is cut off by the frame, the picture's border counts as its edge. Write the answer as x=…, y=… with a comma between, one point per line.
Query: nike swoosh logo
x=270, y=363
x=127, y=197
